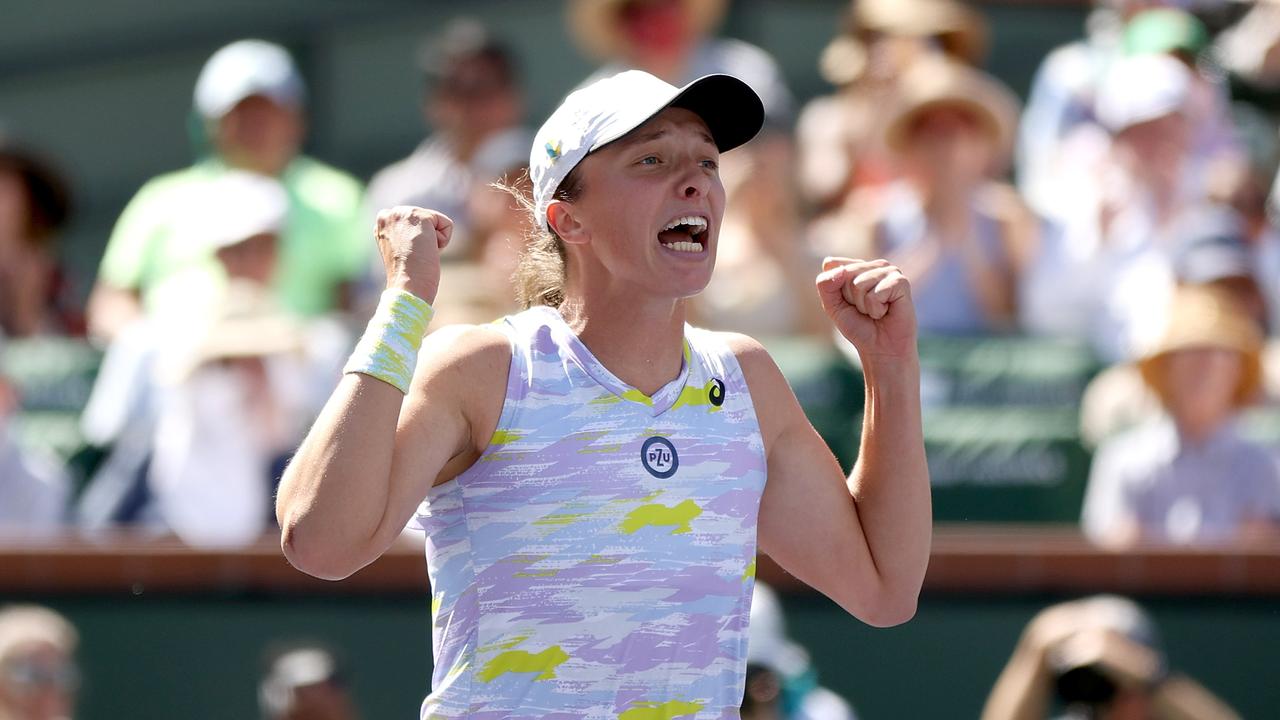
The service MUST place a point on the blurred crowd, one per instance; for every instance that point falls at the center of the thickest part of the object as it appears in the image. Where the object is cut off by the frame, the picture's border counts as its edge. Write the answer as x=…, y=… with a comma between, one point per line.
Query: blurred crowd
x=1093, y=658
x=1130, y=204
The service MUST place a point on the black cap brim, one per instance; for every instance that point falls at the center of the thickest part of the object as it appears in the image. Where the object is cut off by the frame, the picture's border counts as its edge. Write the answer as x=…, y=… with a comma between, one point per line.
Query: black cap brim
x=732, y=111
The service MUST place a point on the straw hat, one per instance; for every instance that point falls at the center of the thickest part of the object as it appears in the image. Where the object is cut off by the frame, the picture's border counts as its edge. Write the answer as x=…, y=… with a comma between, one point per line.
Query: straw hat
x=1207, y=317
x=594, y=23
x=246, y=324
x=960, y=31
x=935, y=83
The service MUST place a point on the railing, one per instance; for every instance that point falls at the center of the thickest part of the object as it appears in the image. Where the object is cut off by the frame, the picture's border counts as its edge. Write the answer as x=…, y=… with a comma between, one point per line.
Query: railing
x=980, y=559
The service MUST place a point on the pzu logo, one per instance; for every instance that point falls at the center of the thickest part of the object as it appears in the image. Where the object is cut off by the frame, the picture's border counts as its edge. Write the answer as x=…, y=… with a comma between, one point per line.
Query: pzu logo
x=659, y=457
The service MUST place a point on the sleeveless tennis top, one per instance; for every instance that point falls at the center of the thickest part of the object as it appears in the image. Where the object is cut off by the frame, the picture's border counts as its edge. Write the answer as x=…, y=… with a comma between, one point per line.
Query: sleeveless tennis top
x=598, y=559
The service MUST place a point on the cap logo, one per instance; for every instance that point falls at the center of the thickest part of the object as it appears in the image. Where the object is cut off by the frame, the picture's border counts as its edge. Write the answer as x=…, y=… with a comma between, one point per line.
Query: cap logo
x=553, y=151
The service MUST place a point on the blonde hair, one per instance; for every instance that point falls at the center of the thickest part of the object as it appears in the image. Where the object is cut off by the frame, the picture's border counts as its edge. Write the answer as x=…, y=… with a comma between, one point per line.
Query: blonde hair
x=24, y=624
x=540, y=273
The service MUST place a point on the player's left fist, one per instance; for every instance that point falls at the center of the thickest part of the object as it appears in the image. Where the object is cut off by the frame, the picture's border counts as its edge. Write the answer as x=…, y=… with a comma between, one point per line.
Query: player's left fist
x=870, y=303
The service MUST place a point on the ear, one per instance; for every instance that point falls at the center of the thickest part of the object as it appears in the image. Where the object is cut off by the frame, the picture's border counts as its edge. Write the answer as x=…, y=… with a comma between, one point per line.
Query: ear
x=561, y=218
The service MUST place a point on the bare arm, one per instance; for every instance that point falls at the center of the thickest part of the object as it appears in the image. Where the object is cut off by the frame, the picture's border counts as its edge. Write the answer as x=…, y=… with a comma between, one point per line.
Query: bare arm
x=374, y=453
x=862, y=540
x=110, y=309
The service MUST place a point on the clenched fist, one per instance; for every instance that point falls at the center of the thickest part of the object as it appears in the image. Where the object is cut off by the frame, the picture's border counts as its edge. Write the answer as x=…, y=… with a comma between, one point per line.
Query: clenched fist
x=410, y=240
x=870, y=303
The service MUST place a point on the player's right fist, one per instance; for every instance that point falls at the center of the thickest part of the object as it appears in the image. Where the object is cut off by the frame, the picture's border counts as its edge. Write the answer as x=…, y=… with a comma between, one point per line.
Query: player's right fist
x=410, y=240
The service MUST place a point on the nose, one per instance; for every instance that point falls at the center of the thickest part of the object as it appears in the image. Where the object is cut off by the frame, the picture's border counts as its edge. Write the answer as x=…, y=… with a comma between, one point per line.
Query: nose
x=696, y=183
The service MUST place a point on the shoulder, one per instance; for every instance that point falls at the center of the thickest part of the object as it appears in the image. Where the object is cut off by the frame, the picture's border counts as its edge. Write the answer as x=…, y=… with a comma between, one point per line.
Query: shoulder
x=165, y=187
x=474, y=352
x=393, y=179
x=1257, y=459
x=769, y=389
x=160, y=202
x=322, y=184
x=1134, y=455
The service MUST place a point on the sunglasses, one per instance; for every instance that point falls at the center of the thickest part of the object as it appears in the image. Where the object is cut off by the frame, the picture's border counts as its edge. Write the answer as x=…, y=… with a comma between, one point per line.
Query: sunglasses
x=32, y=676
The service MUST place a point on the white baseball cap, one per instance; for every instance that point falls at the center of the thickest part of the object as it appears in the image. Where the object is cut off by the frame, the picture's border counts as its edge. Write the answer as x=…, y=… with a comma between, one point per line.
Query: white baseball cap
x=596, y=115
x=243, y=69
x=1141, y=88
x=236, y=206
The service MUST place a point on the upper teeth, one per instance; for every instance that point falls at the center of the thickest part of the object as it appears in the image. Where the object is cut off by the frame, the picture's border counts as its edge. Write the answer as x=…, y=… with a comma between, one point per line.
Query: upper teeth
x=698, y=224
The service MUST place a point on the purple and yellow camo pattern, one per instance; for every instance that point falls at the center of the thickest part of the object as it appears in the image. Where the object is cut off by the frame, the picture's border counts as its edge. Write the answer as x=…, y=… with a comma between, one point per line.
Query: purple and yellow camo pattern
x=598, y=560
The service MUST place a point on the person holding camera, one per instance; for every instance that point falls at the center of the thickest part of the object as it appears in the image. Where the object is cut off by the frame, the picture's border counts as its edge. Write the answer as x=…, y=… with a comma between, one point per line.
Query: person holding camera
x=1098, y=658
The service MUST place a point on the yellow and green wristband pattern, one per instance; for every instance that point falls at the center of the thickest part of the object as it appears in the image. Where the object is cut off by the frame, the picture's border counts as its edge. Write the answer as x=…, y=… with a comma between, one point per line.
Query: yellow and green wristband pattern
x=388, y=350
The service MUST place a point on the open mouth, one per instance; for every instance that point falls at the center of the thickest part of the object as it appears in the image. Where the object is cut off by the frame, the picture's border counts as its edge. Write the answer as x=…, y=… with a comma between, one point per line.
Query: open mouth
x=685, y=234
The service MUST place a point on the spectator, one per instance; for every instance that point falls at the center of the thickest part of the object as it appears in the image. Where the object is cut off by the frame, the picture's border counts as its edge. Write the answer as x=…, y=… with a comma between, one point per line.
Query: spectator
x=202, y=411
x=33, y=489
x=227, y=423
x=250, y=97
x=762, y=694
x=1104, y=270
x=305, y=683
x=1098, y=658
x=840, y=137
x=1211, y=251
x=673, y=39
x=1190, y=478
x=1243, y=188
x=34, y=204
x=783, y=684
x=761, y=284
x=1060, y=125
x=472, y=98
x=1213, y=136
x=480, y=290
x=38, y=675
x=960, y=237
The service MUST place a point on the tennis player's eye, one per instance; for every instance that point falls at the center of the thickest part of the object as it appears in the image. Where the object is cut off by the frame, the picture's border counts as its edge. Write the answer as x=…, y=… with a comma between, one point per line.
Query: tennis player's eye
x=710, y=164
x=649, y=160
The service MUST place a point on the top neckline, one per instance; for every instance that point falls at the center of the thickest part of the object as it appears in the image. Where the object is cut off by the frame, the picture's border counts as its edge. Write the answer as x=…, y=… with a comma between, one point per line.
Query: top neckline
x=658, y=403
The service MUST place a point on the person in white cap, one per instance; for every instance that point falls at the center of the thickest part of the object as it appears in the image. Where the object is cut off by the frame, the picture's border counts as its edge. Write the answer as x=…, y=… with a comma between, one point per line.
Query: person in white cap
x=472, y=100
x=38, y=674
x=591, y=472
x=305, y=682
x=250, y=98
x=1103, y=270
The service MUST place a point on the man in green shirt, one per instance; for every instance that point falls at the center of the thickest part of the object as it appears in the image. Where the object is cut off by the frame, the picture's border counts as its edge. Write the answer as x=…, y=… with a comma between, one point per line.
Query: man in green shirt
x=250, y=96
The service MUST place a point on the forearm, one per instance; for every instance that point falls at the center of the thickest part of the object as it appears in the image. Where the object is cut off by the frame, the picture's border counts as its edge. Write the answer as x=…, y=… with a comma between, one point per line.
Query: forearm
x=333, y=499
x=1022, y=690
x=890, y=482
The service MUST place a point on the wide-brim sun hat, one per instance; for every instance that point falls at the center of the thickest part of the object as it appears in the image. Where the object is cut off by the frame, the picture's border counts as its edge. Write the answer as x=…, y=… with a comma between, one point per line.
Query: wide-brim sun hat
x=246, y=324
x=594, y=23
x=606, y=110
x=936, y=83
x=1206, y=317
x=959, y=30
